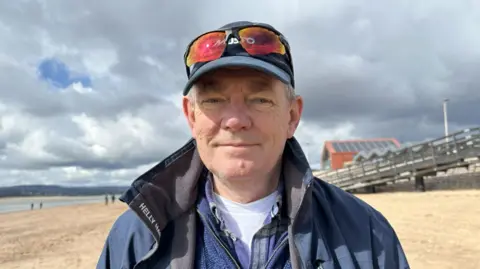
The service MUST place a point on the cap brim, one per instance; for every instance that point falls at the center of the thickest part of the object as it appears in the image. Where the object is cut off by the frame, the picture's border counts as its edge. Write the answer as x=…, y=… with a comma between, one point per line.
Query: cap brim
x=238, y=61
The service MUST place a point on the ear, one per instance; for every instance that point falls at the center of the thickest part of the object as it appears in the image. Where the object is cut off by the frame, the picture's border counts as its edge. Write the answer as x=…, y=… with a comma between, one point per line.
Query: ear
x=189, y=112
x=296, y=109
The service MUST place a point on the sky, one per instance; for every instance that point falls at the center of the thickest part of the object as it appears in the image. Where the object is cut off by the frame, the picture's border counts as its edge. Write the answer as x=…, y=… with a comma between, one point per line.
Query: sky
x=90, y=91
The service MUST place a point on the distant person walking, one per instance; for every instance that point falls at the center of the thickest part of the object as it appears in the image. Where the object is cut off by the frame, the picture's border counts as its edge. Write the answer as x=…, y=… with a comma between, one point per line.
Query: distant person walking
x=106, y=199
x=113, y=198
x=31, y=206
x=41, y=204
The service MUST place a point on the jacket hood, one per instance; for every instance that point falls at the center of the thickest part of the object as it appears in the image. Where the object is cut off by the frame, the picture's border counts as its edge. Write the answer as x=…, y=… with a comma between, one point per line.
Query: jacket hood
x=170, y=188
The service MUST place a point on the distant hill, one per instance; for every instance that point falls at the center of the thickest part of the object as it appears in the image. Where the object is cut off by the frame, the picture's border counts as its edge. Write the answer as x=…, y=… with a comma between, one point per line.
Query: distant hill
x=54, y=190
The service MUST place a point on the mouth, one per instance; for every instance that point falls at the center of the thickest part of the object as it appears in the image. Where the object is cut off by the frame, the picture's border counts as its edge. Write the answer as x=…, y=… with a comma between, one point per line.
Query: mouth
x=237, y=145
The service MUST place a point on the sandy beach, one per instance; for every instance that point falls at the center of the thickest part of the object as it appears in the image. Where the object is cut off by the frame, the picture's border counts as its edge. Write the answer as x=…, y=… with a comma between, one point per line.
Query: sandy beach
x=437, y=229
x=61, y=237
x=47, y=198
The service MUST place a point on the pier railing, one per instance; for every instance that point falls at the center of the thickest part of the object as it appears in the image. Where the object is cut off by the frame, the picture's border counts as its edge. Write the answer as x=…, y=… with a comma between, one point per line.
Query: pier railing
x=459, y=149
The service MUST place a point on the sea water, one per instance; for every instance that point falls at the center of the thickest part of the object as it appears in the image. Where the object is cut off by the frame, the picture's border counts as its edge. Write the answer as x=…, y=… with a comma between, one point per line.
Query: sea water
x=24, y=203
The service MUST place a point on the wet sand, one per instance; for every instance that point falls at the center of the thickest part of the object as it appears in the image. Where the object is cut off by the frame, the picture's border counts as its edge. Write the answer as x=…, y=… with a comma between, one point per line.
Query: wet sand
x=437, y=229
x=27, y=199
x=15, y=204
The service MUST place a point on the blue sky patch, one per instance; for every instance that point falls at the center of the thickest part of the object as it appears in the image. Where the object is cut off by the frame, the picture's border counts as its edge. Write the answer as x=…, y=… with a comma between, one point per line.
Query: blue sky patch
x=59, y=75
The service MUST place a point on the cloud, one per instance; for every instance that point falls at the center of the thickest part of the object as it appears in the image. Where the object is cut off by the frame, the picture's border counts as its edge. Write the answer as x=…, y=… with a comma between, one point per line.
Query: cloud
x=365, y=69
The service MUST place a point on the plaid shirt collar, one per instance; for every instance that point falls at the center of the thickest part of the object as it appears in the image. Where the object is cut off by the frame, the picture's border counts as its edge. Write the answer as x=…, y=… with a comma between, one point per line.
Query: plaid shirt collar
x=269, y=236
x=209, y=195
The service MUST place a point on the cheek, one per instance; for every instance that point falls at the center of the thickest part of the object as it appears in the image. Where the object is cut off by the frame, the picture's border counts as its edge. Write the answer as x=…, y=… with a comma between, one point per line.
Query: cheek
x=274, y=124
x=204, y=127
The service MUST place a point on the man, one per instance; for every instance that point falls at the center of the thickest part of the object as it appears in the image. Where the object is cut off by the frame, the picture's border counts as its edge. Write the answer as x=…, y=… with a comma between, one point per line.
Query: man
x=240, y=194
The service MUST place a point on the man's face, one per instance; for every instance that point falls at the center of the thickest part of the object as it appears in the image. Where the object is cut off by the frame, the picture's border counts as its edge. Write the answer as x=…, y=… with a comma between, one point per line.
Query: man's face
x=241, y=119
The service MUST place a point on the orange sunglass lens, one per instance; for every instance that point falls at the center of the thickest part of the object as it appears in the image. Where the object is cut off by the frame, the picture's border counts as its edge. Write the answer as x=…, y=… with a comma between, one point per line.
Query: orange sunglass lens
x=206, y=48
x=260, y=41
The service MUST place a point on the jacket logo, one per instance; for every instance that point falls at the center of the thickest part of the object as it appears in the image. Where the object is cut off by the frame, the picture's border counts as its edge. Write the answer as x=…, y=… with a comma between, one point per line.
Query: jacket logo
x=149, y=216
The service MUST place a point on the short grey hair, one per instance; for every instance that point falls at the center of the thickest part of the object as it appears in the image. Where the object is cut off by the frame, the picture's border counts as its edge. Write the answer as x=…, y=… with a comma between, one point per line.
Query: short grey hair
x=289, y=90
x=291, y=95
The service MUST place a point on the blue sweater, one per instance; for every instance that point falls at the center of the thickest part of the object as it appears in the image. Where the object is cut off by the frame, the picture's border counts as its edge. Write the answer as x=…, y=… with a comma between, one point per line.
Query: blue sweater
x=215, y=247
x=211, y=254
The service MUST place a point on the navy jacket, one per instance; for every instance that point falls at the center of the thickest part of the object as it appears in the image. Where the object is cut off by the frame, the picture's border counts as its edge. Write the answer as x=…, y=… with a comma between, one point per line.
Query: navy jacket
x=329, y=228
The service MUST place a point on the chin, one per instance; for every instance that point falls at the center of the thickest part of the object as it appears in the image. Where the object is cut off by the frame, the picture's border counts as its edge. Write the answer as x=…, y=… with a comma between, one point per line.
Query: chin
x=239, y=168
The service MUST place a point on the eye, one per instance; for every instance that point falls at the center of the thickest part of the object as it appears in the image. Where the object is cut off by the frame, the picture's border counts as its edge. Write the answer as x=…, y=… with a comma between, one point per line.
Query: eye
x=212, y=101
x=262, y=101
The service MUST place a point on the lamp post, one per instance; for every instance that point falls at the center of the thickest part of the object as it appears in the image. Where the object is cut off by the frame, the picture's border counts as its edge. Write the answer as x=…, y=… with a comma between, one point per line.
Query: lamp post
x=445, y=119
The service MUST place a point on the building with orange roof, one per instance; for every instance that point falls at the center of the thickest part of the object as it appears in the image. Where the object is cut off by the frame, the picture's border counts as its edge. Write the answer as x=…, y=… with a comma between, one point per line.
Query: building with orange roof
x=336, y=153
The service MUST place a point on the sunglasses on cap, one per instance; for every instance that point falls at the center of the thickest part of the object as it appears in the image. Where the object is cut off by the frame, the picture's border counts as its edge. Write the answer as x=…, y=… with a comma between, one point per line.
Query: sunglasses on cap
x=256, y=40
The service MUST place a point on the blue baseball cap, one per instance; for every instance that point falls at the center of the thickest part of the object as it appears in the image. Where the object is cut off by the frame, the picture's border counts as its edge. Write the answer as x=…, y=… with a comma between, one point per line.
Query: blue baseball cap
x=279, y=66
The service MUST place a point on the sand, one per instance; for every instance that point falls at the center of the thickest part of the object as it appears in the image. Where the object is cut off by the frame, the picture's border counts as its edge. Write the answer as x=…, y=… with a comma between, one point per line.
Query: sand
x=47, y=198
x=437, y=230
x=61, y=237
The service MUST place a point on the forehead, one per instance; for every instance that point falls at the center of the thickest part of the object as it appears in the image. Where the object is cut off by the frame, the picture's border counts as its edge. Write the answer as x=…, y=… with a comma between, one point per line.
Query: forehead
x=227, y=77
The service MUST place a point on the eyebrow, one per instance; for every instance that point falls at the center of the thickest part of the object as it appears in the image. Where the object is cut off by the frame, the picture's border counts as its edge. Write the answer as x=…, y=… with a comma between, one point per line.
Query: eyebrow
x=213, y=86
x=209, y=86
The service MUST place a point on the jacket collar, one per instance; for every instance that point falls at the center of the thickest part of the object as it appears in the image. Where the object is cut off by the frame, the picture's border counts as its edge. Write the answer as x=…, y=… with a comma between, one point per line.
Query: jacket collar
x=170, y=188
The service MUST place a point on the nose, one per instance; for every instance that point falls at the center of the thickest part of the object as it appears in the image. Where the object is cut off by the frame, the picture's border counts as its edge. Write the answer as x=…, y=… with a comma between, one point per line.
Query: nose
x=236, y=117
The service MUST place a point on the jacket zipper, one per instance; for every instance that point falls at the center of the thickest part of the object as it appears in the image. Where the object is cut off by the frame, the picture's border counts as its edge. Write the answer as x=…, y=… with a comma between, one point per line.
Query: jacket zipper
x=280, y=246
x=219, y=241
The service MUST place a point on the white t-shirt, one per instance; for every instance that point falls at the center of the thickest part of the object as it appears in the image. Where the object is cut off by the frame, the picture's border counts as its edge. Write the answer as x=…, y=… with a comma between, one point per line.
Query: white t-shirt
x=244, y=220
